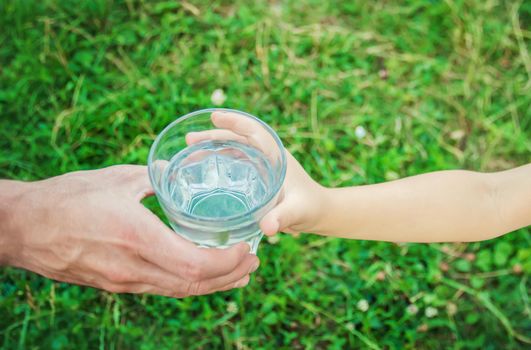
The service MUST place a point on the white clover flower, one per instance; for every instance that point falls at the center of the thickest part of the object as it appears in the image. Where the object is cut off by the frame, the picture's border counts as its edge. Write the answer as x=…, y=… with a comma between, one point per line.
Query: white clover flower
x=412, y=309
x=218, y=97
x=431, y=312
x=363, y=305
x=360, y=132
x=451, y=308
x=350, y=326
x=457, y=135
x=273, y=239
x=232, y=307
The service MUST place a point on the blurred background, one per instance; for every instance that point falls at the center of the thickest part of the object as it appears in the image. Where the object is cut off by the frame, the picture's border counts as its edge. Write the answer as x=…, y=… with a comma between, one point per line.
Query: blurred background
x=360, y=91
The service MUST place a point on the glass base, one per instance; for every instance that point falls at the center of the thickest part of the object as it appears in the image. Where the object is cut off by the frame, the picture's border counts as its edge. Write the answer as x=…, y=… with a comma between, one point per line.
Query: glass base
x=253, y=243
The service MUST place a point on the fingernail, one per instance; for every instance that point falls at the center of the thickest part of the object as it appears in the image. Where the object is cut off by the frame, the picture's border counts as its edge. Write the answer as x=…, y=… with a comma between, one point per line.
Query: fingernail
x=254, y=267
x=275, y=226
x=241, y=283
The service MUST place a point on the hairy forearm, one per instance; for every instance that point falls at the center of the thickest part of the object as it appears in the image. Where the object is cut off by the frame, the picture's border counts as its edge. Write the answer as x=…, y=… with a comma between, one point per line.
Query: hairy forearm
x=445, y=206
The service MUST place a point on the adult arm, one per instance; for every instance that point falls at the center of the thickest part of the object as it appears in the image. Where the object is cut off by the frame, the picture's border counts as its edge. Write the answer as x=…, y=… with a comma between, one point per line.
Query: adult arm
x=89, y=228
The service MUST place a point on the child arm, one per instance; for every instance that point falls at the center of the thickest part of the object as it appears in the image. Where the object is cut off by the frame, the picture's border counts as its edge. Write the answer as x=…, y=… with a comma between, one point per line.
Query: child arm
x=445, y=206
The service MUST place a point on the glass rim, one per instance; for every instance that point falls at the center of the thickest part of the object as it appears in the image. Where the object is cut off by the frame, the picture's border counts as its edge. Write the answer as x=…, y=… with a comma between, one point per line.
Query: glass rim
x=200, y=219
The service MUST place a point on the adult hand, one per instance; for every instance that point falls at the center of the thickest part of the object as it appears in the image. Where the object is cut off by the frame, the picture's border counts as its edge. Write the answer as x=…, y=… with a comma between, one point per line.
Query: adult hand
x=301, y=203
x=89, y=228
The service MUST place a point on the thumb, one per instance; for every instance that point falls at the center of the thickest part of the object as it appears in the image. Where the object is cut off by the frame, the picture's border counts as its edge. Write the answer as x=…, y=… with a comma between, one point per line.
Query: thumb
x=141, y=185
x=279, y=218
x=133, y=180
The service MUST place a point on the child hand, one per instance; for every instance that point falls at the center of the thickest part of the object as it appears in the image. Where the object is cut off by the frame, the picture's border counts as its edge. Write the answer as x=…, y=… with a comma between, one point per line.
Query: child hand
x=301, y=203
x=301, y=200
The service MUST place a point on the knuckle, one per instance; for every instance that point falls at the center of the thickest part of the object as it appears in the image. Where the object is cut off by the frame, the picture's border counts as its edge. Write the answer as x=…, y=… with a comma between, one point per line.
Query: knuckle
x=242, y=282
x=246, y=281
x=193, y=272
x=193, y=288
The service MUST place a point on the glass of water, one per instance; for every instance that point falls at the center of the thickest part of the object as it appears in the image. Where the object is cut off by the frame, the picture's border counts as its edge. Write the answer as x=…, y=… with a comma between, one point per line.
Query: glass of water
x=216, y=172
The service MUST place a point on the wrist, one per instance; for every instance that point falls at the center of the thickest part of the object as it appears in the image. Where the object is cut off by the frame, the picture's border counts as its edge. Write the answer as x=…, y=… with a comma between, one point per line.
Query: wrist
x=323, y=217
x=340, y=213
x=12, y=198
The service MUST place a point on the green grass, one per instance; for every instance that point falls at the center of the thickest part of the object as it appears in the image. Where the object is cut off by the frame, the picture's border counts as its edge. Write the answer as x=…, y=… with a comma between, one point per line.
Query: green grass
x=436, y=84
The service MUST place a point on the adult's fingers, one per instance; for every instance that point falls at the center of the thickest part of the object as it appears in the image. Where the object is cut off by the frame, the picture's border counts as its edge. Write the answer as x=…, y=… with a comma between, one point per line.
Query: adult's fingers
x=238, y=284
x=147, y=273
x=129, y=273
x=138, y=276
x=145, y=288
x=212, y=263
x=141, y=288
x=144, y=272
x=166, y=249
x=229, y=281
x=148, y=278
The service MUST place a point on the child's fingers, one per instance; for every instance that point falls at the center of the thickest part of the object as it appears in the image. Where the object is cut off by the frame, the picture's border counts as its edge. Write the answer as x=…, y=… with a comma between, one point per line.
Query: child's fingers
x=255, y=132
x=237, y=123
x=214, y=134
x=280, y=218
x=270, y=225
x=227, y=135
x=234, y=127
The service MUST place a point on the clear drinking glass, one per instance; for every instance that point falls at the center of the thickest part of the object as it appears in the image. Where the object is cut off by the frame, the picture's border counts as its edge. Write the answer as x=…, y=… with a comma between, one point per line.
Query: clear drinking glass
x=216, y=172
